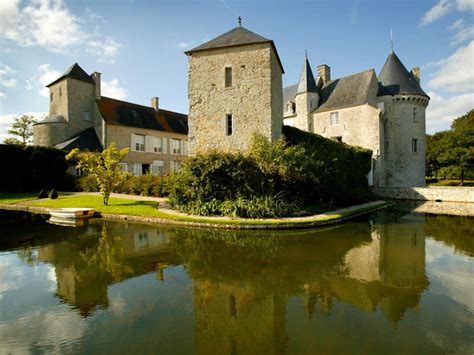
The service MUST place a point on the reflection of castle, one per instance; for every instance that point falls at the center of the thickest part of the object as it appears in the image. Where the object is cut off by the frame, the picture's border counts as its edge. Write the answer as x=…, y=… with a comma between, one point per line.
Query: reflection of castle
x=84, y=270
x=242, y=286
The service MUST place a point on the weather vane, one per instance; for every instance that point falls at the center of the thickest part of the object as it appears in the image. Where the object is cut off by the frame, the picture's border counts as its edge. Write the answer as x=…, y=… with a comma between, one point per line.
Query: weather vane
x=240, y=21
x=391, y=39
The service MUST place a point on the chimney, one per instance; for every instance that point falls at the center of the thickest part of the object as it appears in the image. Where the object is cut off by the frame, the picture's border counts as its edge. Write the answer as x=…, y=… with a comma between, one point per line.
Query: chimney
x=96, y=78
x=324, y=72
x=416, y=73
x=155, y=103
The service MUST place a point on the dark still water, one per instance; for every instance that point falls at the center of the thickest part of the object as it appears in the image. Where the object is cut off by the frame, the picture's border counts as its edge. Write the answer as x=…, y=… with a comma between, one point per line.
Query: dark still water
x=392, y=283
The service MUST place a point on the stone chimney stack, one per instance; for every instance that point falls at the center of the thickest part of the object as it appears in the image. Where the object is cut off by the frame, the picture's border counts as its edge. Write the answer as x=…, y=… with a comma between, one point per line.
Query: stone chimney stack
x=324, y=72
x=155, y=103
x=416, y=73
x=96, y=78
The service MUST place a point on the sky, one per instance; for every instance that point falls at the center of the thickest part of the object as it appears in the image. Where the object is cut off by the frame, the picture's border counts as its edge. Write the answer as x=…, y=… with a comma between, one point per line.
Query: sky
x=138, y=46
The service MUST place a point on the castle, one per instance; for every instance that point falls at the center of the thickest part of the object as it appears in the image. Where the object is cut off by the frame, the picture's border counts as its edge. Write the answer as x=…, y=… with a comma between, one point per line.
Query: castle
x=235, y=90
x=80, y=117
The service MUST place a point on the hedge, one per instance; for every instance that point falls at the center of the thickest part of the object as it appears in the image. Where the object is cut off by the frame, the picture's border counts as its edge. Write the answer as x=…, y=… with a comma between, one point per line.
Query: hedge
x=33, y=168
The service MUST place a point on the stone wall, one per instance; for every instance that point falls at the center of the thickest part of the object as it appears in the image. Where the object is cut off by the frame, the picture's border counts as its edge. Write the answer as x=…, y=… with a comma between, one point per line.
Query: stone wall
x=121, y=136
x=403, y=167
x=254, y=100
x=49, y=134
x=450, y=194
x=358, y=126
x=81, y=99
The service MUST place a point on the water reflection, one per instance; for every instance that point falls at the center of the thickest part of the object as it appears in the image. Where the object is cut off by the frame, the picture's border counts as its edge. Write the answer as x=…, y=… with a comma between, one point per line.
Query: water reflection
x=248, y=287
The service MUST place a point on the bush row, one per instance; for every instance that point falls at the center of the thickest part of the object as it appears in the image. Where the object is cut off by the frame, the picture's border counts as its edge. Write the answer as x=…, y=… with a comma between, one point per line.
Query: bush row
x=29, y=168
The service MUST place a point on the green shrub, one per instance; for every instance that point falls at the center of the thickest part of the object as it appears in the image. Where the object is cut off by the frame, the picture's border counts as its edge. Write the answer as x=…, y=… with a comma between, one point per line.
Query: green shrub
x=87, y=183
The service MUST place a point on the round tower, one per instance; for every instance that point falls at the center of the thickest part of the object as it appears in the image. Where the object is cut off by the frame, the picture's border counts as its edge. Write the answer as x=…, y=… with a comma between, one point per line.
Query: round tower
x=404, y=125
x=306, y=99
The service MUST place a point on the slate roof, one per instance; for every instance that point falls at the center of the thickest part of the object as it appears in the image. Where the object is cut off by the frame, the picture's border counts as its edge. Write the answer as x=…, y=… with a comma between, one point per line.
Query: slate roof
x=85, y=140
x=395, y=79
x=124, y=113
x=52, y=119
x=238, y=36
x=336, y=94
x=74, y=72
x=307, y=82
x=345, y=92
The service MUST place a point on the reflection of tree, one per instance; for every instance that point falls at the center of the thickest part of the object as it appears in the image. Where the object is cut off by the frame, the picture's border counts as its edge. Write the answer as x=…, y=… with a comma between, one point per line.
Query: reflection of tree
x=26, y=254
x=108, y=257
x=455, y=231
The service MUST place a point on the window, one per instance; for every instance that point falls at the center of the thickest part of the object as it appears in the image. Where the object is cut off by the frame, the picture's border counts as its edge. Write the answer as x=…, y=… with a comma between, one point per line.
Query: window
x=334, y=118
x=138, y=142
x=228, y=77
x=60, y=92
x=337, y=139
x=414, y=145
x=175, y=146
x=51, y=97
x=87, y=116
x=157, y=168
x=123, y=167
x=158, y=145
x=415, y=118
x=175, y=165
x=232, y=306
x=228, y=122
x=137, y=169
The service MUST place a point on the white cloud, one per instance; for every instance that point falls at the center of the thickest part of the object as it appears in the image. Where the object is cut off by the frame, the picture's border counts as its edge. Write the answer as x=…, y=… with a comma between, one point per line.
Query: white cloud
x=6, y=74
x=51, y=25
x=184, y=44
x=113, y=89
x=442, y=111
x=436, y=12
x=105, y=50
x=463, y=32
x=45, y=76
x=465, y=5
x=3, y=95
x=456, y=73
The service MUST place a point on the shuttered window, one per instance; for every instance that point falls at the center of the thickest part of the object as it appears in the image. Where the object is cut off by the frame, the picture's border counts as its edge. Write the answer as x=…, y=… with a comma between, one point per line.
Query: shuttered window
x=157, y=168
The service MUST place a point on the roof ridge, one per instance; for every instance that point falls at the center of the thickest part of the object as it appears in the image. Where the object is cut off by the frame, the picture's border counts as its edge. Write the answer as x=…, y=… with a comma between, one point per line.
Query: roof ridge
x=132, y=103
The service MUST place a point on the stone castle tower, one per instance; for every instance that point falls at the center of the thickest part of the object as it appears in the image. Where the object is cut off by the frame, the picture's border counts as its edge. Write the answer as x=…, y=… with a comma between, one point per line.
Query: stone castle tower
x=403, y=103
x=306, y=99
x=235, y=90
x=71, y=107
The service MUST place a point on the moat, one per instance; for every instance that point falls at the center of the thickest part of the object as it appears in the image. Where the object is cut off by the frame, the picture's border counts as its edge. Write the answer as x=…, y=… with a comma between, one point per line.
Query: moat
x=393, y=282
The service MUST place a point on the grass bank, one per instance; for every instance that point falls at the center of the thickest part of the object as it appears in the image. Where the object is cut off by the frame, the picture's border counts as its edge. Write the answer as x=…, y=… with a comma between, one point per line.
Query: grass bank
x=9, y=198
x=145, y=211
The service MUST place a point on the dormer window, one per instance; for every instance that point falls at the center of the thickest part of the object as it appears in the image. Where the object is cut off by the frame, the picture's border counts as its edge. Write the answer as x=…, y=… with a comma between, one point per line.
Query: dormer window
x=228, y=77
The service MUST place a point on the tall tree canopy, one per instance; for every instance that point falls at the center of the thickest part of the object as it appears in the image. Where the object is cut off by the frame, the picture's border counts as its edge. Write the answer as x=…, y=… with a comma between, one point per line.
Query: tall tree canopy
x=451, y=153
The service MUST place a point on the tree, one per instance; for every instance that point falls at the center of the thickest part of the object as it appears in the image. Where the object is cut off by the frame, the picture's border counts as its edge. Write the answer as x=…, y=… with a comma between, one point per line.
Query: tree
x=23, y=128
x=103, y=166
x=12, y=141
x=452, y=152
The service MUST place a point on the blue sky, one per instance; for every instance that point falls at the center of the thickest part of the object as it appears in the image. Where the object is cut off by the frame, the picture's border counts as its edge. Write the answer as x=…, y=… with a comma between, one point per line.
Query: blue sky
x=138, y=45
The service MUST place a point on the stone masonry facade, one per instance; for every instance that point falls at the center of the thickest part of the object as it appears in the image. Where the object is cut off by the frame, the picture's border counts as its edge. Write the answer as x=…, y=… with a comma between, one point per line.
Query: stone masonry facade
x=254, y=98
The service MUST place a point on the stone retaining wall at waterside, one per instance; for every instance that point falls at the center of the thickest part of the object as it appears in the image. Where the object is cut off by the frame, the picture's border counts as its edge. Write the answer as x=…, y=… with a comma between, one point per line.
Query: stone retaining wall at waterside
x=435, y=193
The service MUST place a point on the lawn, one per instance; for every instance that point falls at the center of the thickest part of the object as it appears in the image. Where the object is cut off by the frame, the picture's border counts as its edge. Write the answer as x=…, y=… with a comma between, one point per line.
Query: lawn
x=9, y=198
x=148, y=209
x=451, y=182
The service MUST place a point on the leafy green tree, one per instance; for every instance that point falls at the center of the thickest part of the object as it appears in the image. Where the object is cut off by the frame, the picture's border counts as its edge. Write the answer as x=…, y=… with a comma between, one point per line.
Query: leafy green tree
x=103, y=166
x=12, y=141
x=452, y=152
x=23, y=128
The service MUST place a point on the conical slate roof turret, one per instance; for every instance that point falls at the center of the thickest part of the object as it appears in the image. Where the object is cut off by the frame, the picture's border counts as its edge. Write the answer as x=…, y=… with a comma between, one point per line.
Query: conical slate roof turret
x=395, y=79
x=307, y=82
x=74, y=72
